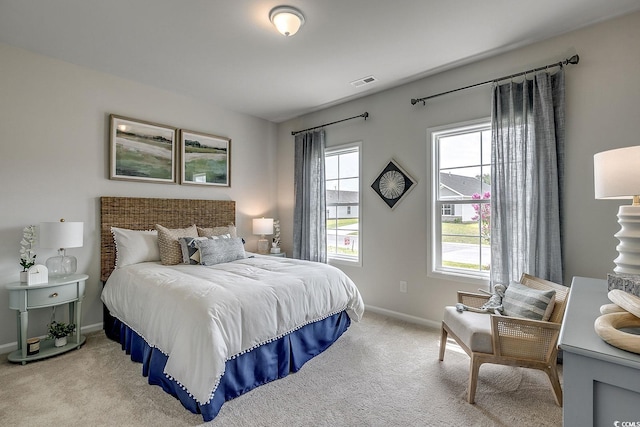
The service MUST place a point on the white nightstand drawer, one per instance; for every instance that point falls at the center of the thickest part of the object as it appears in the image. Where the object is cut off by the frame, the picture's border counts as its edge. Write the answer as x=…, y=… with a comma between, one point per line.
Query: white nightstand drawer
x=52, y=295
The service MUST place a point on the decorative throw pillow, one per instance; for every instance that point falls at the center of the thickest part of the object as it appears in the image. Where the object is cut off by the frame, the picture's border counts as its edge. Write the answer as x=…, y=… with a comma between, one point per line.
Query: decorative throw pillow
x=170, y=251
x=190, y=251
x=522, y=301
x=216, y=251
x=217, y=231
x=134, y=246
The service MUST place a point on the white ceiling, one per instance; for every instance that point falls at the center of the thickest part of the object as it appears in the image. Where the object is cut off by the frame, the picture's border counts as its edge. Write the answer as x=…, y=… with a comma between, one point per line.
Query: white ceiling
x=228, y=53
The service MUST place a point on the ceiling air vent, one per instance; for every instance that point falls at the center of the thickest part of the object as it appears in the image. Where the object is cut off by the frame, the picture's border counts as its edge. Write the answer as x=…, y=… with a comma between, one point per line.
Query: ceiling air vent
x=363, y=81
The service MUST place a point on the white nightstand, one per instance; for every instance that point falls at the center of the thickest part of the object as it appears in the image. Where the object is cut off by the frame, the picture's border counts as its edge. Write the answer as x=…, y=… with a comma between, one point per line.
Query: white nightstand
x=281, y=254
x=58, y=291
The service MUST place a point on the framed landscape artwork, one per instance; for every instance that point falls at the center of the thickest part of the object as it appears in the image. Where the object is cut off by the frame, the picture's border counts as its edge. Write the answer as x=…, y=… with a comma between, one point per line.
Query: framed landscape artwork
x=392, y=184
x=142, y=151
x=205, y=159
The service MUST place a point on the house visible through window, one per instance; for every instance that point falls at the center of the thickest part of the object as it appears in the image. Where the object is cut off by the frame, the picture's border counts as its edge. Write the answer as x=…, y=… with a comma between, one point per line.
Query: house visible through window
x=461, y=199
x=342, y=174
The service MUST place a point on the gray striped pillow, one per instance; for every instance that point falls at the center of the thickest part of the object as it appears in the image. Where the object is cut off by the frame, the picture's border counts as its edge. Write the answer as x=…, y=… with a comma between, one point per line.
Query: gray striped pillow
x=217, y=251
x=522, y=301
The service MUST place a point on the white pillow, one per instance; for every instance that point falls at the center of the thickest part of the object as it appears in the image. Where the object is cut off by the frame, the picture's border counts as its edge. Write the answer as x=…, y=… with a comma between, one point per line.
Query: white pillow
x=135, y=246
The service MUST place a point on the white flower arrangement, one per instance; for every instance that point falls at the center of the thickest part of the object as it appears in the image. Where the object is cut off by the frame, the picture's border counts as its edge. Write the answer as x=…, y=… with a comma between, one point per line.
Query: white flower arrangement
x=276, y=233
x=27, y=253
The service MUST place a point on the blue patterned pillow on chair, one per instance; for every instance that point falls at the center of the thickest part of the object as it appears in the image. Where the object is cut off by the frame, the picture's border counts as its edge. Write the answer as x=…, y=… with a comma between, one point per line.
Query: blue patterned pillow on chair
x=522, y=301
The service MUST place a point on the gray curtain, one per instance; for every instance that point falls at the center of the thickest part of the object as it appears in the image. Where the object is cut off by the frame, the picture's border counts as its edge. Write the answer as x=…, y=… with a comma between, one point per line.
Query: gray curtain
x=527, y=178
x=309, y=214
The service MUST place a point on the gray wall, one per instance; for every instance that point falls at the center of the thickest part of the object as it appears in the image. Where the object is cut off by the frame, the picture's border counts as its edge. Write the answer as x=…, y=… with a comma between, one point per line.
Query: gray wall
x=601, y=114
x=54, y=124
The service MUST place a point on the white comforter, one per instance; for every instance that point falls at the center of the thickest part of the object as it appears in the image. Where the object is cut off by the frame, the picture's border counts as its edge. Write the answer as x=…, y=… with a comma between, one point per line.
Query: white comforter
x=200, y=317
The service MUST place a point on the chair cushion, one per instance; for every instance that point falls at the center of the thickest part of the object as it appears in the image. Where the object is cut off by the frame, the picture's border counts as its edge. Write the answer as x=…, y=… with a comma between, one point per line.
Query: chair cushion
x=473, y=329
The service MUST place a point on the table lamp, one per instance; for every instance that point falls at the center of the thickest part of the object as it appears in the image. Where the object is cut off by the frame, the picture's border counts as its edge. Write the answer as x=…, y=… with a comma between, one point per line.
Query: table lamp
x=262, y=227
x=617, y=176
x=61, y=235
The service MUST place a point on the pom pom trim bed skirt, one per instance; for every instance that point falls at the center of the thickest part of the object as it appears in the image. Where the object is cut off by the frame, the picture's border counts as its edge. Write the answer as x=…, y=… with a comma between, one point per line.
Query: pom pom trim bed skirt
x=243, y=373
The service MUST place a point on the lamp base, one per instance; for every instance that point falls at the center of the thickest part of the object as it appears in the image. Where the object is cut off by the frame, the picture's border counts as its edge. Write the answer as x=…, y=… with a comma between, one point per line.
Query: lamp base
x=263, y=246
x=628, y=261
x=62, y=265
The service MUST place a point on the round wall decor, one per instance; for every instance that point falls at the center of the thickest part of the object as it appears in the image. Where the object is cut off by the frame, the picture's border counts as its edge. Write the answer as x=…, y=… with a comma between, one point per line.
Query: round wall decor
x=392, y=184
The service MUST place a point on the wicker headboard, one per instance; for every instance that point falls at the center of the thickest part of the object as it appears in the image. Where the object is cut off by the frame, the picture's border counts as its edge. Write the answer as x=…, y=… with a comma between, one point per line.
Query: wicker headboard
x=143, y=214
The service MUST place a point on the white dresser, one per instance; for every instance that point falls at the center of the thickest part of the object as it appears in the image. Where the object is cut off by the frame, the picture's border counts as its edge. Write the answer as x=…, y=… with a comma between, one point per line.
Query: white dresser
x=601, y=383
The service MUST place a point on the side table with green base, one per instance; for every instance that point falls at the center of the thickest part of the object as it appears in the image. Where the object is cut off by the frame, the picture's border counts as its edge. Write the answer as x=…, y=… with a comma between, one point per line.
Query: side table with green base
x=58, y=291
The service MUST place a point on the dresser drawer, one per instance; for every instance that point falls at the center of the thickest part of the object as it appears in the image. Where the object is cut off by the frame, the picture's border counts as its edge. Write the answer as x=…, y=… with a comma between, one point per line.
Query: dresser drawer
x=52, y=295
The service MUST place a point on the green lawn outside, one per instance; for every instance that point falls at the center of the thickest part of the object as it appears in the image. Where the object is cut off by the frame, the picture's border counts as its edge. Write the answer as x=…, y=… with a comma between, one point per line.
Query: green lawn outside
x=464, y=265
x=343, y=251
x=332, y=224
x=461, y=233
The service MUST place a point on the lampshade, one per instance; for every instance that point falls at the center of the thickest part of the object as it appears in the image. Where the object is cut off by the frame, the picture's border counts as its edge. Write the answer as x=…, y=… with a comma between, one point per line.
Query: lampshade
x=61, y=235
x=617, y=173
x=263, y=226
x=286, y=19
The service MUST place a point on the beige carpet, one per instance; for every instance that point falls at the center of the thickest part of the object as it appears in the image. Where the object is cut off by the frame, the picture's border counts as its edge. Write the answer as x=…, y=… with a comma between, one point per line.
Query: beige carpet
x=381, y=372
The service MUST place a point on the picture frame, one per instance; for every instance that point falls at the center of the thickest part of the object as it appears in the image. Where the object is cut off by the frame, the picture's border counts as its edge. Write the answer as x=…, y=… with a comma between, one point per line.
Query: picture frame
x=393, y=184
x=205, y=159
x=142, y=151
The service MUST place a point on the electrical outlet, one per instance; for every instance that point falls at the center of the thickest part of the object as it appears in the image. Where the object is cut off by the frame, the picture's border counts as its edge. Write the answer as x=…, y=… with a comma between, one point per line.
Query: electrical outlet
x=403, y=286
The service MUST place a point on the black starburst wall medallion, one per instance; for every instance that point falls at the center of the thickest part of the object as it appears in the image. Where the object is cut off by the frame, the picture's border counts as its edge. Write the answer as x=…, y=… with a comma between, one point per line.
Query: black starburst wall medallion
x=392, y=184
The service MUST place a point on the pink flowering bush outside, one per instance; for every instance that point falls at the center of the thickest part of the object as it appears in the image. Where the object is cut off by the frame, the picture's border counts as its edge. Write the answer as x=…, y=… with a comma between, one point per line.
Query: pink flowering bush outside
x=483, y=214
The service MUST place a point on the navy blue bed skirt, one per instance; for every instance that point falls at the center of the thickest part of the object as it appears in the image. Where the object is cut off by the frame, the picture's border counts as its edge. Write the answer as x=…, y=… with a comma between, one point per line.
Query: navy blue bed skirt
x=243, y=373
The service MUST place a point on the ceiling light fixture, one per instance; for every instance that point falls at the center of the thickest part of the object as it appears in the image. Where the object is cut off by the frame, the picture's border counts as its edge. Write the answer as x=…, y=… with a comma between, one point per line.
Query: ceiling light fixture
x=286, y=19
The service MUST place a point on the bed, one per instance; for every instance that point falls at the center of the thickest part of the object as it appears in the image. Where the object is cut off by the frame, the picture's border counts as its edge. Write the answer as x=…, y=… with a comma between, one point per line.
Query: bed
x=209, y=333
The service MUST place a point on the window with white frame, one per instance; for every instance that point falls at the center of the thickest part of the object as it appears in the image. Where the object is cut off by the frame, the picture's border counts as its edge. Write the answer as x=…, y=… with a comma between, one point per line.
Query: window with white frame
x=342, y=174
x=461, y=199
x=447, y=209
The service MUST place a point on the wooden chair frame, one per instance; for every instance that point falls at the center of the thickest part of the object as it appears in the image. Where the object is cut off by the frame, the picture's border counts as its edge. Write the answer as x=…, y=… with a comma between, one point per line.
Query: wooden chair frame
x=516, y=342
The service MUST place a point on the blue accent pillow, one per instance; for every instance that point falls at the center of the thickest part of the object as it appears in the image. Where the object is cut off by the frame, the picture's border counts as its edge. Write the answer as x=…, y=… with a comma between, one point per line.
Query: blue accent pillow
x=522, y=301
x=217, y=251
x=190, y=251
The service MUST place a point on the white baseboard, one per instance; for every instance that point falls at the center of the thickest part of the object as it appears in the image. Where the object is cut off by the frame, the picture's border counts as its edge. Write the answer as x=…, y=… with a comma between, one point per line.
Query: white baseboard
x=13, y=346
x=92, y=328
x=405, y=317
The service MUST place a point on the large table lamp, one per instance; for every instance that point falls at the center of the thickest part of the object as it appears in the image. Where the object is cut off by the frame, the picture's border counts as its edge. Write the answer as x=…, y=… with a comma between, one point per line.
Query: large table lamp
x=61, y=235
x=263, y=227
x=617, y=176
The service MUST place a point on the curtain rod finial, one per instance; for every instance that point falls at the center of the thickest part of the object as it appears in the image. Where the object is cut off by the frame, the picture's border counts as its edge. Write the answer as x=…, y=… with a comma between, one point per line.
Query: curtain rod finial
x=573, y=60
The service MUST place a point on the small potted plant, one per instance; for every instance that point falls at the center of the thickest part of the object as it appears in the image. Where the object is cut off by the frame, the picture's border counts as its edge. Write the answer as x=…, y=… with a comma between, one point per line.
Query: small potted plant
x=27, y=253
x=59, y=332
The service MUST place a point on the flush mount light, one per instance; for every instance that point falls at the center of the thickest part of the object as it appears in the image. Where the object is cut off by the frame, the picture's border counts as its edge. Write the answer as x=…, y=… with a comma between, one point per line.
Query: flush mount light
x=286, y=19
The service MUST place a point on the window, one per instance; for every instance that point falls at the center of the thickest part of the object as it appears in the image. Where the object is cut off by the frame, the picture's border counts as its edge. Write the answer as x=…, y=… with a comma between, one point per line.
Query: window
x=461, y=199
x=342, y=174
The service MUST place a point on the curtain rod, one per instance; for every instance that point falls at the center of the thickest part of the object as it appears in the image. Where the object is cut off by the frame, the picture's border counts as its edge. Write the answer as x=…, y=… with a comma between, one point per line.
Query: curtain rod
x=573, y=60
x=365, y=115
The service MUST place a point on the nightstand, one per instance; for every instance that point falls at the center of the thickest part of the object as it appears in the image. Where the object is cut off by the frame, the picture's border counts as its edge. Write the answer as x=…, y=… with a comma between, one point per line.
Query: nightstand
x=281, y=254
x=58, y=291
